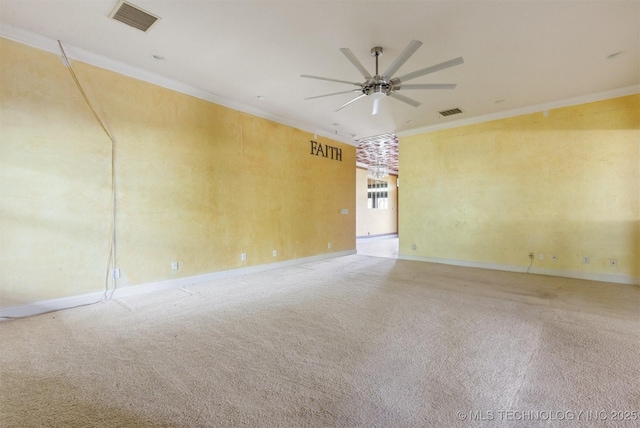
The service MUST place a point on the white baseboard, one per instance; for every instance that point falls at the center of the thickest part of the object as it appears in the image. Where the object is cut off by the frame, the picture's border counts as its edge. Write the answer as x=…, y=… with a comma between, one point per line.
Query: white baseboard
x=591, y=276
x=51, y=305
x=368, y=238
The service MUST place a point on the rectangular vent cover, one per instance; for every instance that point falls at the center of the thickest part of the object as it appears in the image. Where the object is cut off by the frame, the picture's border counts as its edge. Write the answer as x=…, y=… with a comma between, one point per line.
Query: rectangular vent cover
x=450, y=112
x=133, y=16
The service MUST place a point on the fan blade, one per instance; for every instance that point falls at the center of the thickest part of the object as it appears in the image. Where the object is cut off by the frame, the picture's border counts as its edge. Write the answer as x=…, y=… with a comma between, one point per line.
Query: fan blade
x=411, y=48
x=353, y=100
x=404, y=99
x=308, y=76
x=352, y=58
x=428, y=86
x=432, y=69
x=335, y=93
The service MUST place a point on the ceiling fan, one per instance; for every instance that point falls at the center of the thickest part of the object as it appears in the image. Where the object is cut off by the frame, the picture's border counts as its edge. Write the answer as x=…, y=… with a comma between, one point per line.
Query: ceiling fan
x=381, y=85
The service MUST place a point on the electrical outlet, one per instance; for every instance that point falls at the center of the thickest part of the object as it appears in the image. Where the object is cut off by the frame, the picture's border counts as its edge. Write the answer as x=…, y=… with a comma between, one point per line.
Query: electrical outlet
x=175, y=266
x=329, y=245
x=531, y=255
x=586, y=260
x=540, y=256
x=116, y=273
x=275, y=253
x=414, y=247
x=613, y=262
x=243, y=257
x=554, y=258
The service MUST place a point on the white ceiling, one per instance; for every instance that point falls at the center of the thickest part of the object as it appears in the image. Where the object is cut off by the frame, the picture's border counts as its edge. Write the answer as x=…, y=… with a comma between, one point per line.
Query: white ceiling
x=517, y=54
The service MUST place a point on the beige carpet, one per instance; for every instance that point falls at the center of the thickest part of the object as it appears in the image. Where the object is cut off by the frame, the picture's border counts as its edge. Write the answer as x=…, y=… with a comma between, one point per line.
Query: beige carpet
x=348, y=342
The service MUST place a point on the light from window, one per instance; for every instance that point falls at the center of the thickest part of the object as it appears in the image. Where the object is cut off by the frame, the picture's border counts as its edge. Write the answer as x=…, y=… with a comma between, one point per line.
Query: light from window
x=377, y=194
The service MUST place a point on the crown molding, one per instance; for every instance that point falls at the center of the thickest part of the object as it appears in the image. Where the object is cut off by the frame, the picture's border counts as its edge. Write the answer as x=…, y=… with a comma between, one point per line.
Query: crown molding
x=78, y=54
x=583, y=99
x=50, y=45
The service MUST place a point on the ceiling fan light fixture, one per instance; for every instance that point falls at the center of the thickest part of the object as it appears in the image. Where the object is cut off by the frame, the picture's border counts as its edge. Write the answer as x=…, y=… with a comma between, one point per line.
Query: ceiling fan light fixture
x=377, y=96
x=379, y=91
x=379, y=85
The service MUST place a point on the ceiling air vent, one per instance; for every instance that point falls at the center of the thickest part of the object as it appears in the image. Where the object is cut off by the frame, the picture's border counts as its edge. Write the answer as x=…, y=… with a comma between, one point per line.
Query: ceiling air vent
x=133, y=16
x=450, y=112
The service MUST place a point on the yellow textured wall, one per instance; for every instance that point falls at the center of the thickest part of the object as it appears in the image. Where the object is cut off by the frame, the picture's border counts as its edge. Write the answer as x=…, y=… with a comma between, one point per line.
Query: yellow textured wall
x=565, y=185
x=370, y=222
x=196, y=183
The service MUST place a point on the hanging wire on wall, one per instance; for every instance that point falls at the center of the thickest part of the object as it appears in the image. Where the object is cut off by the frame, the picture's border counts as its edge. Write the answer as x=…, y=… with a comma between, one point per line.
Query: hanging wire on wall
x=112, y=236
x=111, y=260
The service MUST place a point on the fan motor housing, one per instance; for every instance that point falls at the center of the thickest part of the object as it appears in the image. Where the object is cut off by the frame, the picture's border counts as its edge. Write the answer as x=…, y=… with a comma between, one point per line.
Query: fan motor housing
x=377, y=86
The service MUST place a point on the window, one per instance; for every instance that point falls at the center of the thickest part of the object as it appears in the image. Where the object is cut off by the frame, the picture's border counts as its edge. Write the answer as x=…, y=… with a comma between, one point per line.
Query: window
x=378, y=194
